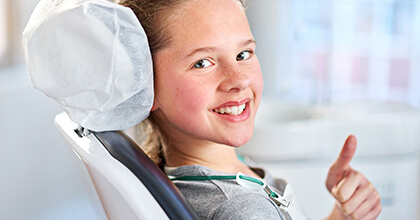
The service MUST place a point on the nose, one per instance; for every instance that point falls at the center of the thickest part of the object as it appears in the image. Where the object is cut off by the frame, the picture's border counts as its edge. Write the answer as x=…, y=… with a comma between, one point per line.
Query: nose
x=234, y=80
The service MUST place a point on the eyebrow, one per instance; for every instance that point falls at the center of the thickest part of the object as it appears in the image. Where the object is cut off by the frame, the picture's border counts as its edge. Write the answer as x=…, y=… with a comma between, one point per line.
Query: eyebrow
x=211, y=49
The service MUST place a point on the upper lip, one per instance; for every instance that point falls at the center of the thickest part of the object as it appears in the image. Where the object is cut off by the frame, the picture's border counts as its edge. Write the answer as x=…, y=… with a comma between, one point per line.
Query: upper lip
x=233, y=103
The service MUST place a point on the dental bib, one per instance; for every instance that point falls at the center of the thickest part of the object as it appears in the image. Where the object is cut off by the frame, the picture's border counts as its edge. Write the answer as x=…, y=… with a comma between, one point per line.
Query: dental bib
x=93, y=58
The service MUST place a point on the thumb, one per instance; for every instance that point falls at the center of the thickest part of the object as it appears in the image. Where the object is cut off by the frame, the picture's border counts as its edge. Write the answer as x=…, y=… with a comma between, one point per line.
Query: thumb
x=339, y=168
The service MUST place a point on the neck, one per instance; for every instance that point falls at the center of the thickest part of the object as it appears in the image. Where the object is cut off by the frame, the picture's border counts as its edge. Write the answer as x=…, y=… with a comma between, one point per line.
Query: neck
x=218, y=157
x=183, y=149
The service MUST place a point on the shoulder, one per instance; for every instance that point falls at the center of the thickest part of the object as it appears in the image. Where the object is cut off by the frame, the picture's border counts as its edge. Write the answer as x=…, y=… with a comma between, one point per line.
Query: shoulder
x=247, y=206
x=203, y=196
x=223, y=199
x=285, y=190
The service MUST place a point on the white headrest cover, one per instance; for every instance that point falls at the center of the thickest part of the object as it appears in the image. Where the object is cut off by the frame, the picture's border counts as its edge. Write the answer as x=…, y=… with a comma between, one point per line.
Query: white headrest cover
x=93, y=58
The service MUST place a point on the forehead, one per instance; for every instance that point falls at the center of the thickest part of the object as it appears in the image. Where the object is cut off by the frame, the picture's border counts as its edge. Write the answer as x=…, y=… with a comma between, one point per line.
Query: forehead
x=208, y=20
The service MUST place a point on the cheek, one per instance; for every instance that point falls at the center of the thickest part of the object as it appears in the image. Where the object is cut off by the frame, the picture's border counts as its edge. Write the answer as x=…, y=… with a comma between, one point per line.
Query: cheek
x=257, y=81
x=188, y=96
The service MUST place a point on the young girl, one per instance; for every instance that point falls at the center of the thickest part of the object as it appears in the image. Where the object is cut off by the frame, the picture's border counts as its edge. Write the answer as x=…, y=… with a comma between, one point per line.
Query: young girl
x=208, y=87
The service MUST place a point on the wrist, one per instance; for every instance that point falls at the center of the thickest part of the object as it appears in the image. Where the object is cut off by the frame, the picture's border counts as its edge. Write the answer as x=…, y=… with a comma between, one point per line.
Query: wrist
x=336, y=214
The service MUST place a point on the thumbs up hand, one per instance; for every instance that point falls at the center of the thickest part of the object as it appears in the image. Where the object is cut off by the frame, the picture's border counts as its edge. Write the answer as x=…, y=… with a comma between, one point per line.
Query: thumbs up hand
x=356, y=197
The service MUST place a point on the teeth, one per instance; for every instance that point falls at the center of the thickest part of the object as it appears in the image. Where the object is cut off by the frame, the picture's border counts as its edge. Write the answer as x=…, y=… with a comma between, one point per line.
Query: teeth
x=233, y=110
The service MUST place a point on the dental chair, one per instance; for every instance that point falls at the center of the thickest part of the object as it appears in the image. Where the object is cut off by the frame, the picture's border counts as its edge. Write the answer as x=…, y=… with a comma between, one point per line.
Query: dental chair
x=129, y=184
x=93, y=58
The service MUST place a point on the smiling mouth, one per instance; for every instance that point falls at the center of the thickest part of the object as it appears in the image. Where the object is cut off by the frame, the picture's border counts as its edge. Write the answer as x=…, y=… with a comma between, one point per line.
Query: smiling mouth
x=231, y=110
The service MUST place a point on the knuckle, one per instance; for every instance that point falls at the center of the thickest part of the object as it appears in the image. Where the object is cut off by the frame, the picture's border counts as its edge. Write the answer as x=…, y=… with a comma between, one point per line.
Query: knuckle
x=378, y=197
x=334, y=191
x=371, y=187
x=359, y=175
x=341, y=196
x=338, y=194
x=376, y=212
x=375, y=197
x=345, y=209
x=354, y=216
x=379, y=206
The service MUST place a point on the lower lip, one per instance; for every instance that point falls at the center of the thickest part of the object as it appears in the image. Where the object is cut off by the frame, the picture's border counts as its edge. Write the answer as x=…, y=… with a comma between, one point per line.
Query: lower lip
x=237, y=118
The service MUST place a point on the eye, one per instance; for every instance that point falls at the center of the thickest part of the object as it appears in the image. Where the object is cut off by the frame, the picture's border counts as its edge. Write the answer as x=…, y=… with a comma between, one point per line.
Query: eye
x=244, y=55
x=202, y=64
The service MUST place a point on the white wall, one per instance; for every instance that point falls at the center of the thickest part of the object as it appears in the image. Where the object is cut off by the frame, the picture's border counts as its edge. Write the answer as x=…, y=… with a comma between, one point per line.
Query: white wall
x=321, y=54
x=40, y=177
x=328, y=52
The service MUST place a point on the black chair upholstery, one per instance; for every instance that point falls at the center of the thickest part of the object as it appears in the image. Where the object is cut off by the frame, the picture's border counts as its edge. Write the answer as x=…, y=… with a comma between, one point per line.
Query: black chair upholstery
x=125, y=150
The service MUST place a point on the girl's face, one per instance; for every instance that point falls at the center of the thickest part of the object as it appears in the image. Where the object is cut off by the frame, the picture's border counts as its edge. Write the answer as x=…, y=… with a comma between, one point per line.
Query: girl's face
x=208, y=82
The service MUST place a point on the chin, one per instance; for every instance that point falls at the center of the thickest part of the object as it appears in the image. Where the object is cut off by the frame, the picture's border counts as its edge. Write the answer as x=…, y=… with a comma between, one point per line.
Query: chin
x=239, y=140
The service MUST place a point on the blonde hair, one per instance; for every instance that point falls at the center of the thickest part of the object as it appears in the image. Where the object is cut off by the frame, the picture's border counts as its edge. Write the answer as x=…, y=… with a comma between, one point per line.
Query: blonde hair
x=155, y=17
x=152, y=140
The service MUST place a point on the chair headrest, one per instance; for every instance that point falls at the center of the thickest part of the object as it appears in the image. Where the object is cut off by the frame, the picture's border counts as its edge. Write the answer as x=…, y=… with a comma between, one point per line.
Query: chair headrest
x=93, y=58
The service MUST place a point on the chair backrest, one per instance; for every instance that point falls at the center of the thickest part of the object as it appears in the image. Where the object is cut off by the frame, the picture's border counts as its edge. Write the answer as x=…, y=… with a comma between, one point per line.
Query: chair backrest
x=128, y=183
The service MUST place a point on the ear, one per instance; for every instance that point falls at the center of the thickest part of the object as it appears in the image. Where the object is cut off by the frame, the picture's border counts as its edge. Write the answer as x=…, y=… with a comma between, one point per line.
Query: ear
x=154, y=106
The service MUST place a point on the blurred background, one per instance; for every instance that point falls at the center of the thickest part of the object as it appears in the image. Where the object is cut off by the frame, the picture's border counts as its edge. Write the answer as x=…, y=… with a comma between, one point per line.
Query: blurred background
x=331, y=68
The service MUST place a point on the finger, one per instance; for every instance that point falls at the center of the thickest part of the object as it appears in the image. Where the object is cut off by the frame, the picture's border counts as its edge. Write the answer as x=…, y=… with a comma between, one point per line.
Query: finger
x=341, y=165
x=346, y=154
x=374, y=213
x=361, y=195
x=365, y=209
x=348, y=186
